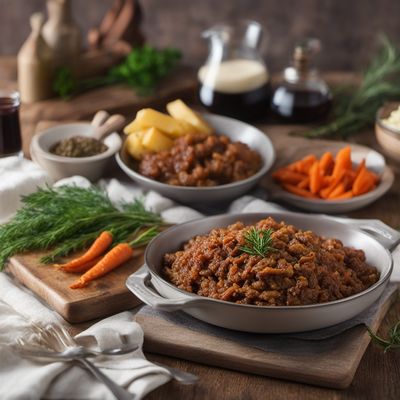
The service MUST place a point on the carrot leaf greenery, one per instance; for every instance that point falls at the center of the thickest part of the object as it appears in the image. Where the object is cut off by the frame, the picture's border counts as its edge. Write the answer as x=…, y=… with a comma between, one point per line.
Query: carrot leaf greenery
x=70, y=218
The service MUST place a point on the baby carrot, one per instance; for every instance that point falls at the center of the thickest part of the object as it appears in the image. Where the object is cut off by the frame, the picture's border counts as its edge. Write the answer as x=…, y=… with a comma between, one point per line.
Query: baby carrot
x=113, y=259
x=99, y=246
x=82, y=268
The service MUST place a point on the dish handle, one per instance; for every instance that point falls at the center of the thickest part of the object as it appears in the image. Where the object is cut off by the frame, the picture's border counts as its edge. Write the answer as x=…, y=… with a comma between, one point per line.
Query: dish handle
x=139, y=284
x=384, y=234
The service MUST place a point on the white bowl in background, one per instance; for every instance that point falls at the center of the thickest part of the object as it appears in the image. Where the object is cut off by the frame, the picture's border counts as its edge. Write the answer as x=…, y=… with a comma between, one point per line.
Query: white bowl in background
x=234, y=130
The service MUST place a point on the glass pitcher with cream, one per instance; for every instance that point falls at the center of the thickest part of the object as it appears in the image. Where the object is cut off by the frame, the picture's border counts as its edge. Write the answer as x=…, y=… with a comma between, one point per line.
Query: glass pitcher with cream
x=234, y=81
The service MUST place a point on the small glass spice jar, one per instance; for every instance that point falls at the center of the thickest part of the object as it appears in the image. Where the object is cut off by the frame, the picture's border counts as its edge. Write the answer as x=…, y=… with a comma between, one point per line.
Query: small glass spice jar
x=10, y=131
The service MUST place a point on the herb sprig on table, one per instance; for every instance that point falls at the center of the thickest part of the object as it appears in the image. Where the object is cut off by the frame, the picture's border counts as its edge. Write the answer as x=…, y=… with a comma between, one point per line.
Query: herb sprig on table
x=380, y=83
x=392, y=342
x=258, y=242
x=142, y=69
x=67, y=219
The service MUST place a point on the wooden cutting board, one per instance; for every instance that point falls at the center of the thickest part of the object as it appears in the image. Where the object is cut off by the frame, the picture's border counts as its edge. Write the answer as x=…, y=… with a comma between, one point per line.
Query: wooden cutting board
x=101, y=298
x=334, y=366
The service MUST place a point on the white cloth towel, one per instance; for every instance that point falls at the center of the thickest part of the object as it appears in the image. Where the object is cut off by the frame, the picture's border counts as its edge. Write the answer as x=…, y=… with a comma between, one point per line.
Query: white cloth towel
x=18, y=177
x=18, y=307
x=22, y=379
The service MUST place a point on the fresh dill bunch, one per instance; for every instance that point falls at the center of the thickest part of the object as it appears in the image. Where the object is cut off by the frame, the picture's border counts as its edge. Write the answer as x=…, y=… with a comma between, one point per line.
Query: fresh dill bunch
x=380, y=83
x=70, y=218
x=258, y=242
x=393, y=341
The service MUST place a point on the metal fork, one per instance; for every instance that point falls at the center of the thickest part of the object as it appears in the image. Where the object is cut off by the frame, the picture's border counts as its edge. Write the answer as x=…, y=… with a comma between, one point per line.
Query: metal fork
x=54, y=343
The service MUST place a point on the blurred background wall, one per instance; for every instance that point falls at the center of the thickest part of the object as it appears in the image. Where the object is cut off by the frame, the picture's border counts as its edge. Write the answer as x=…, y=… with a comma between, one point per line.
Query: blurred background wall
x=348, y=28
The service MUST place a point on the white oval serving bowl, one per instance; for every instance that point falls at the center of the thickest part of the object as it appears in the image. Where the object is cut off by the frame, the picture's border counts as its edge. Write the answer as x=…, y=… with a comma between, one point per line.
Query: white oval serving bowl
x=59, y=167
x=236, y=131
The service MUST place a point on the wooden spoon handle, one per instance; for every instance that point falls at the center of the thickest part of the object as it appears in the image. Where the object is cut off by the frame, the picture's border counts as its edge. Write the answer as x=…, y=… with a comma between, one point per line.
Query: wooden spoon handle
x=100, y=118
x=113, y=123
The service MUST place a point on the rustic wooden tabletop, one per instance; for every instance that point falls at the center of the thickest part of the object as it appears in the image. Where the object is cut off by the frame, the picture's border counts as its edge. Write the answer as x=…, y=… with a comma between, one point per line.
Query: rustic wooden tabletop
x=377, y=375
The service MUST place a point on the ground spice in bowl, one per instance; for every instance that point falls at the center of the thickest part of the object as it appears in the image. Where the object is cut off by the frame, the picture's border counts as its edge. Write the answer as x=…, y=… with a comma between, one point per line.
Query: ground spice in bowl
x=78, y=146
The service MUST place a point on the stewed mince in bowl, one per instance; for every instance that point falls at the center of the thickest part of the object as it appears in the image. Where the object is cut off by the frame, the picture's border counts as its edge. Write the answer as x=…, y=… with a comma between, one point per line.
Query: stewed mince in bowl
x=202, y=160
x=269, y=263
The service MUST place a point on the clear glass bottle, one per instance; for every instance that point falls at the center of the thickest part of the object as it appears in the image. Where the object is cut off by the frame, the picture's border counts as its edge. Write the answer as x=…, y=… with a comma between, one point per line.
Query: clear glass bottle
x=303, y=96
x=234, y=81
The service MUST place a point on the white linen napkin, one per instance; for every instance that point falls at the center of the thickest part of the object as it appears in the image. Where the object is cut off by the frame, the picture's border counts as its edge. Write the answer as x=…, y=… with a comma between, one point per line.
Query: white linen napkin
x=18, y=307
x=18, y=176
x=25, y=379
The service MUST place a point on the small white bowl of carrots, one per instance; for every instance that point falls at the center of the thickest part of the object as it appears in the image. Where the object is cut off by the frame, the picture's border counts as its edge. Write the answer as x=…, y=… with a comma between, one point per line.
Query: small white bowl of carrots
x=334, y=182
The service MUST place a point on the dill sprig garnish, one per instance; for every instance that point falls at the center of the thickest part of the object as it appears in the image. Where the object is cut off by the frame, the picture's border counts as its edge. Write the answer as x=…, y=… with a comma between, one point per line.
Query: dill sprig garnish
x=70, y=218
x=380, y=83
x=393, y=341
x=258, y=242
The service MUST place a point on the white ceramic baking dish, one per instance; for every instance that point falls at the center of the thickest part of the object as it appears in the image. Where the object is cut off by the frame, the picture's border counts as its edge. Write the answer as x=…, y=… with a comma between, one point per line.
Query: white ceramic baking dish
x=152, y=289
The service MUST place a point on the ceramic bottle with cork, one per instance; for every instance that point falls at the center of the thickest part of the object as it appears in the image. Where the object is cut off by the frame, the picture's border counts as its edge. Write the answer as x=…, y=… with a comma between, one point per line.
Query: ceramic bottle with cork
x=62, y=33
x=303, y=96
x=35, y=64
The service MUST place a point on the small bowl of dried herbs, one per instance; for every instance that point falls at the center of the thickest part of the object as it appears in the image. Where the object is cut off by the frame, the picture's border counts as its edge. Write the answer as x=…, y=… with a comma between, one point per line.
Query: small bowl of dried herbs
x=73, y=149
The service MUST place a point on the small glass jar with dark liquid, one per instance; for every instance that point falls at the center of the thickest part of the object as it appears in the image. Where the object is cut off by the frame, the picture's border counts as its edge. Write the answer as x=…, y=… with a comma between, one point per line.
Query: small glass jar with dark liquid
x=303, y=96
x=234, y=81
x=10, y=132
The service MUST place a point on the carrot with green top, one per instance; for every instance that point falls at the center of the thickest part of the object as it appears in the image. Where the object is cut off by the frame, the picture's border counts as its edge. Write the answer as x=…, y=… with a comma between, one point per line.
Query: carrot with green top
x=117, y=256
x=114, y=258
x=99, y=246
x=82, y=268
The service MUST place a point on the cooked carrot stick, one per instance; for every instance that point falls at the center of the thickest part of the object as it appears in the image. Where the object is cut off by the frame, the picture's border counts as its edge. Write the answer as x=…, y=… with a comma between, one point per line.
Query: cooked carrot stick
x=343, y=160
x=315, y=178
x=99, y=246
x=324, y=193
x=343, y=196
x=363, y=183
x=113, y=259
x=360, y=167
x=326, y=163
x=303, y=166
x=82, y=268
x=304, y=183
x=338, y=191
x=326, y=181
x=288, y=176
x=300, y=192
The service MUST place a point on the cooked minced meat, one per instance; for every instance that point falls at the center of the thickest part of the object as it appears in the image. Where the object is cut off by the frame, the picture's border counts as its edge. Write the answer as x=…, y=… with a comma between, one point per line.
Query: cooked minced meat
x=304, y=269
x=199, y=160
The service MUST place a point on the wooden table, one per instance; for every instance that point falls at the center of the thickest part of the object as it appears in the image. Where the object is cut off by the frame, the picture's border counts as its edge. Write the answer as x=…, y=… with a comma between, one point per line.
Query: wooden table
x=378, y=374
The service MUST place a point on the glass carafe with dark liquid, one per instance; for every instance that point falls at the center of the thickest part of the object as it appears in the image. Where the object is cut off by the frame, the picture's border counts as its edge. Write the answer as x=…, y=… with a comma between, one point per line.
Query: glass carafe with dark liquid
x=234, y=81
x=302, y=96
